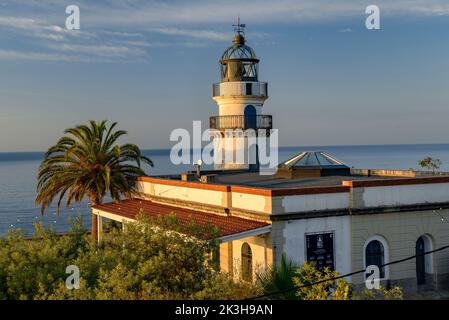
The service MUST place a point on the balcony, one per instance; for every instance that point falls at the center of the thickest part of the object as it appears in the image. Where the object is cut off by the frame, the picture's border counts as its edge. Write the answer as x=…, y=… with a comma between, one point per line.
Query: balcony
x=240, y=88
x=241, y=122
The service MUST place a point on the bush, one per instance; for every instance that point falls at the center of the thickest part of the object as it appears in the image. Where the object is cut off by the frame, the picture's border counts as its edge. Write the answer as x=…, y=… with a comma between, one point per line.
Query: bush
x=145, y=262
x=309, y=283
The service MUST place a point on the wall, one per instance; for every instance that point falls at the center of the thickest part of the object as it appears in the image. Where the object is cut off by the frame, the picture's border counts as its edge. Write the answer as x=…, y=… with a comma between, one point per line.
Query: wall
x=290, y=239
x=401, y=231
x=310, y=202
x=262, y=254
x=398, y=192
x=209, y=194
x=251, y=202
x=405, y=194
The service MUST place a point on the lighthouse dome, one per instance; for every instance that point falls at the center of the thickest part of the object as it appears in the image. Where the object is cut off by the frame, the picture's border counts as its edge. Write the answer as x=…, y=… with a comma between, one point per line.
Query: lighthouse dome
x=239, y=61
x=239, y=51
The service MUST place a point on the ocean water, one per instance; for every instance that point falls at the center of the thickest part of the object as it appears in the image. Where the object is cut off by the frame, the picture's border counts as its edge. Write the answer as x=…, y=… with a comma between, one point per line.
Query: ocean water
x=18, y=177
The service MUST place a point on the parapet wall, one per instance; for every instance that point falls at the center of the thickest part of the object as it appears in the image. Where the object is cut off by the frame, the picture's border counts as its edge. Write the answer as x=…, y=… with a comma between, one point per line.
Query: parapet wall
x=370, y=194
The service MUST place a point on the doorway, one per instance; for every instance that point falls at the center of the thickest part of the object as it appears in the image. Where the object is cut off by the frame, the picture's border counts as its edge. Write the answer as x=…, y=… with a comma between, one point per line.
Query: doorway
x=250, y=117
x=420, y=261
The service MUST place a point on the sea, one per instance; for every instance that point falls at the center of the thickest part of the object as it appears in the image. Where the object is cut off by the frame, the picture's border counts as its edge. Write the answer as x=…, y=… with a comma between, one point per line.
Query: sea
x=18, y=172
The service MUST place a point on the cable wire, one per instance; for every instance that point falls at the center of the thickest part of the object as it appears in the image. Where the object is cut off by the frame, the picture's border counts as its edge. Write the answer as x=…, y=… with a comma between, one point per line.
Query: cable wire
x=347, y=275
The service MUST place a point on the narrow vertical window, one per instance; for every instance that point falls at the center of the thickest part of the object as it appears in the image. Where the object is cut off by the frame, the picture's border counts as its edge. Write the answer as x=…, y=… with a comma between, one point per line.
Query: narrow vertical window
x=247, y=263
x=249, y=89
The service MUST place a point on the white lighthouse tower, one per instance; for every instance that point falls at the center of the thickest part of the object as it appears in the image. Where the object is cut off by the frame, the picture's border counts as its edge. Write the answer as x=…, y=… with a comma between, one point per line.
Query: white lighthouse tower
x=240, y=97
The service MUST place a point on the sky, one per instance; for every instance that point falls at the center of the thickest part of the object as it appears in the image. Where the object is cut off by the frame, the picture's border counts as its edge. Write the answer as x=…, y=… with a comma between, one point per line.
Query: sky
x=150, y=65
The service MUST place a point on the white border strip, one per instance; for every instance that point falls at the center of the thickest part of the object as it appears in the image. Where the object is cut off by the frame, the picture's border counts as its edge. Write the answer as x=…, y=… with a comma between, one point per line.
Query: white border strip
x=244, y=234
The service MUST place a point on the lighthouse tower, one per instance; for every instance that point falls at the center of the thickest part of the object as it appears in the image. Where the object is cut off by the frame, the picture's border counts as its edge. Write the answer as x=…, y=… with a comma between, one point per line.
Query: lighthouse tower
x=240, y=97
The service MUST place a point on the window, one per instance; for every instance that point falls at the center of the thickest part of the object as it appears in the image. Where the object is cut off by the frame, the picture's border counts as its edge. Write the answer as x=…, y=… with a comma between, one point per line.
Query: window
x=250, y=116
x=375, y=255
x=247, y=263
x=249, y=89
x=424, y=262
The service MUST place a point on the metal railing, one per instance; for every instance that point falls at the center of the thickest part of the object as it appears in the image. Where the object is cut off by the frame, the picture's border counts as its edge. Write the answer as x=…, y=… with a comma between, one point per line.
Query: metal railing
x=258, y=89
x=241, y=122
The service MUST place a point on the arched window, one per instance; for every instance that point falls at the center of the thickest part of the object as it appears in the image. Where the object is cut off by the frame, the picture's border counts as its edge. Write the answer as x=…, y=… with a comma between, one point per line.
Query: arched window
x=250, y=117
x=247, y=262
x=424, y=262
x=375, y=255
x=420, y=261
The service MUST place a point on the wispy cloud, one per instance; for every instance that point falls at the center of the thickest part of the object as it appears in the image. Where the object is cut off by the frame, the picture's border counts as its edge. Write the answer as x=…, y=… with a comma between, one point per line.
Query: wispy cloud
x=36, y=28
x=192, y=33
x=103, y=51
x=143, y=13
x=71, y=45
x=120, y=29
x=39, y=56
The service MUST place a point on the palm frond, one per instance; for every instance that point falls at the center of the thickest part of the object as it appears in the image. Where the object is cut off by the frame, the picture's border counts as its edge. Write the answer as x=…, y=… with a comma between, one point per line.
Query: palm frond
x=87, y=161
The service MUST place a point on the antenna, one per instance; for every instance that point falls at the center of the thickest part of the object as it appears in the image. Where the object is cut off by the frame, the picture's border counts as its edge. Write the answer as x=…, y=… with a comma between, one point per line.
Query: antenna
x=239, y=27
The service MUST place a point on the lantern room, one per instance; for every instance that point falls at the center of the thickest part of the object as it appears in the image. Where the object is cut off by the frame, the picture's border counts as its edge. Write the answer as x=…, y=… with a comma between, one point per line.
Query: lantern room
x=239, y=61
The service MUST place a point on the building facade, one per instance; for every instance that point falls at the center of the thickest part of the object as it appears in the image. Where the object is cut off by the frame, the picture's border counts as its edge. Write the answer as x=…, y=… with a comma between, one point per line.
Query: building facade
x=315, y=209
x=365, y=220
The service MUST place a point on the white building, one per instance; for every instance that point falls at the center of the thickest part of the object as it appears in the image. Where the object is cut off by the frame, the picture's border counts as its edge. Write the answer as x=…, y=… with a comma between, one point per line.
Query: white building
x=314, y=209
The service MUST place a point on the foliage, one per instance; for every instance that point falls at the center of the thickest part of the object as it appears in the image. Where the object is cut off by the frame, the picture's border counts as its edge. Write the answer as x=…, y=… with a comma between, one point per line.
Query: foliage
x=279, y=279
x=430, y=164
x=87, y=161
x=323, y=288
x=144, y=262
x=309, y=283
x=395, y=293
x=30, y=267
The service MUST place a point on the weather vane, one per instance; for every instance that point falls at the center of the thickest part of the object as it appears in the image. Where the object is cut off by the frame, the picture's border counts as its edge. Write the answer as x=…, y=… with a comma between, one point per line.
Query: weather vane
x=239, y=27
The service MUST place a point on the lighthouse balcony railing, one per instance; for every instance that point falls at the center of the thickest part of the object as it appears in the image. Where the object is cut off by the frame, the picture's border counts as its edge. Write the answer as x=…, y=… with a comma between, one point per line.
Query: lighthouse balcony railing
x=241, y=122
x=240, y=88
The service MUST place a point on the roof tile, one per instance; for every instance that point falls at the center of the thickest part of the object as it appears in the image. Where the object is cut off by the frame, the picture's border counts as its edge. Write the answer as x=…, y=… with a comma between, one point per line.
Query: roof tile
x=227, y=224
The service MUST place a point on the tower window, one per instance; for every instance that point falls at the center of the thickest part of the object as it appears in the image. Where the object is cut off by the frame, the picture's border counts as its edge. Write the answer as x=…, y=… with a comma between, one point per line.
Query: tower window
x=247, y=262
x=249, y=89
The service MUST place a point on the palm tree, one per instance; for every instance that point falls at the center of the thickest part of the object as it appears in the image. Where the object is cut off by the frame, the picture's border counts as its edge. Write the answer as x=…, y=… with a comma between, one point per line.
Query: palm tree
x=280, y=279
x=87, y=161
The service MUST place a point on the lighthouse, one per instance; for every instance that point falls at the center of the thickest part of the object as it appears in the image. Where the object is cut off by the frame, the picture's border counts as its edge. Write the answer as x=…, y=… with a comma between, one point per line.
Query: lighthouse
x=240, y=97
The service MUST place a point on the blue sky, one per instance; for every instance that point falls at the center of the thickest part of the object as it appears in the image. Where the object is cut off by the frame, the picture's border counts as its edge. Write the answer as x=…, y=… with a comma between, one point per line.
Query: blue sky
x=149, y=65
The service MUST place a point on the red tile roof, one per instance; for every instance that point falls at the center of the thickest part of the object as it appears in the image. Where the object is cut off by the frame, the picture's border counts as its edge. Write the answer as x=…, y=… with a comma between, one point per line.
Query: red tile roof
x=227, y=224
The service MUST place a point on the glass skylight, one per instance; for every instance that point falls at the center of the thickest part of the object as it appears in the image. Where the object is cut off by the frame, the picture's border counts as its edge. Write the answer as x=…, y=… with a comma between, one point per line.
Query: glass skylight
x=312, y=159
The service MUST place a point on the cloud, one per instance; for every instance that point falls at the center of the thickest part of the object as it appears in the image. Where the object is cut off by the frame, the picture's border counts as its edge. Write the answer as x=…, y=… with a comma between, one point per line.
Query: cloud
x=103, y=51
x=142, y=13
x=33, y=27
x=82, y=46
x=39, y=56
x=120, y=29
x=191, y=33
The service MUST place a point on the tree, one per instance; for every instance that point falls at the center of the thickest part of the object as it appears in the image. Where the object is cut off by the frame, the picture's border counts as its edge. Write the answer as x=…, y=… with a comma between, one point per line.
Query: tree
x=308, y=283
x=87, y=161
x=430, y=164
x=279, y=279
x=323, y=288
x=145, y=262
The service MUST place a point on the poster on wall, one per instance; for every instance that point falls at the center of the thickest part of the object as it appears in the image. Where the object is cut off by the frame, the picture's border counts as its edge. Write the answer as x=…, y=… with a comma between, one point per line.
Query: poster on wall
x=320, y=249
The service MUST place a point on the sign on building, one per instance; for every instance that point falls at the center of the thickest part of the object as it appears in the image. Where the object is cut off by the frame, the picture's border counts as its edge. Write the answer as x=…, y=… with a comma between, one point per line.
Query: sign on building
x=320, y=249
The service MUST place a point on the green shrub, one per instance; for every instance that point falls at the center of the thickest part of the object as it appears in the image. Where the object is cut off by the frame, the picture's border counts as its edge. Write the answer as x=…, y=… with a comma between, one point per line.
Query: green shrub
x=145, y=262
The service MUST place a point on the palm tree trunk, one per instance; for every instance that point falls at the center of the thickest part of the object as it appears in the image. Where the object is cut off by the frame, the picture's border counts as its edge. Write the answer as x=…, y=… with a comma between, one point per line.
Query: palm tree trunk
x=94, y=223
x=94, y=227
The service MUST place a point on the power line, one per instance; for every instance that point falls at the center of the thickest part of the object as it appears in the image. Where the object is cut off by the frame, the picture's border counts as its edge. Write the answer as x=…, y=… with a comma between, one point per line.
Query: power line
x=442, y=218
x=348, y=274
